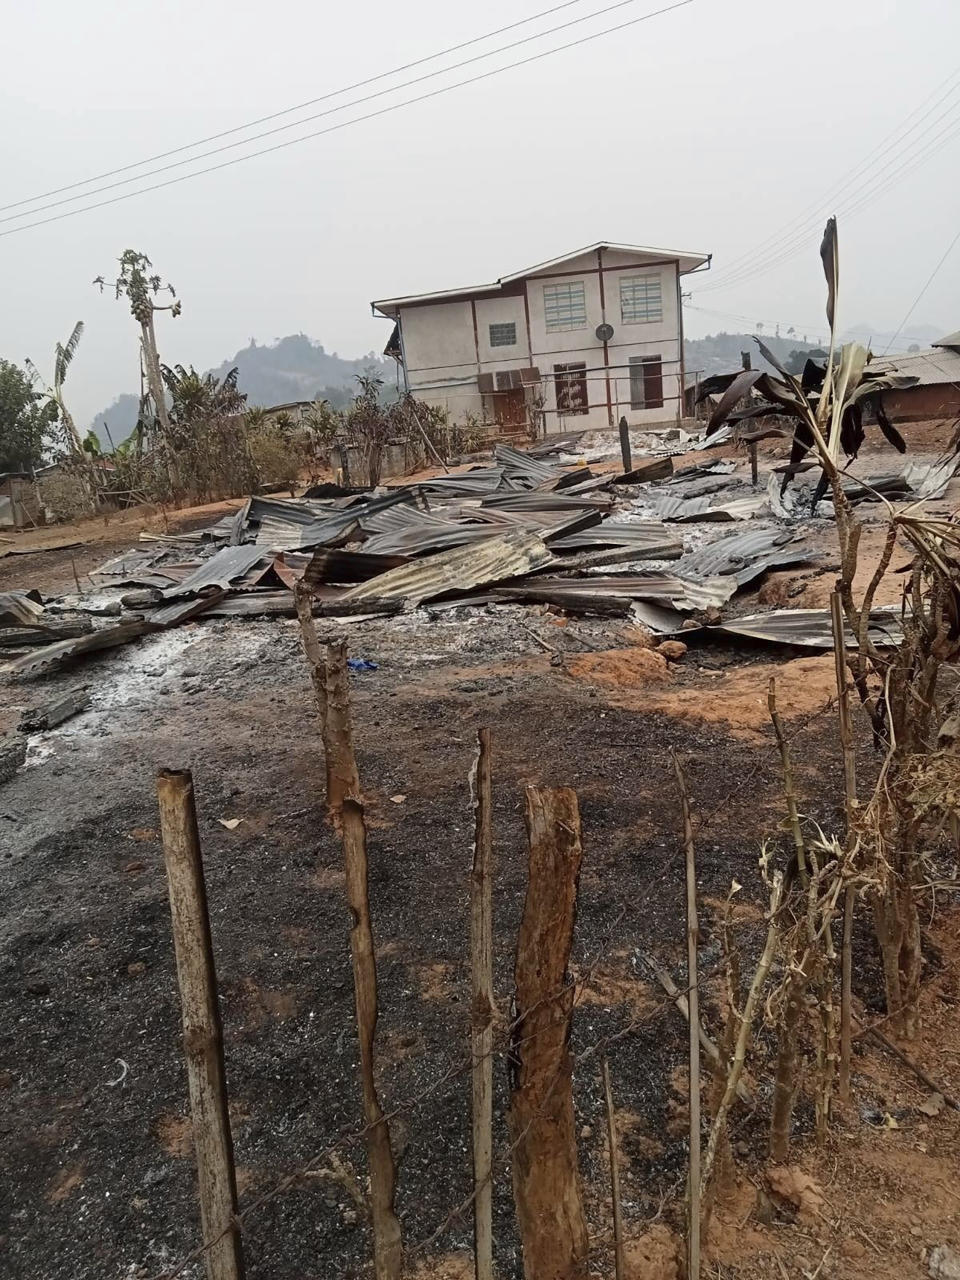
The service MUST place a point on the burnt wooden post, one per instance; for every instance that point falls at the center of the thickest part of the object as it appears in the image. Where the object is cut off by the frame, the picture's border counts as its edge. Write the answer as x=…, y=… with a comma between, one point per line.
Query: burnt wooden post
x=693, y=999
x=482, y=1008
x=387, y=1246
x=625, y=445
x=545, y=1177
x=342, y=778
x=752, y=446
x=202, y=1031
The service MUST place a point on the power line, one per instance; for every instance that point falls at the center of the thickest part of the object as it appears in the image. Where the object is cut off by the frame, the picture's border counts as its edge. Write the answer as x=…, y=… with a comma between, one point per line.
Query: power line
x=357, y=102
x=929, y=282
x=301, y=106
x=778, y=236
x=370, y=115
x=866, y=196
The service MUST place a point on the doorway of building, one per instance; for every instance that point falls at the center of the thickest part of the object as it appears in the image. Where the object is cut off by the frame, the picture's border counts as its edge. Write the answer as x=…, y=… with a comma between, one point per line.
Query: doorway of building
x=510, y=408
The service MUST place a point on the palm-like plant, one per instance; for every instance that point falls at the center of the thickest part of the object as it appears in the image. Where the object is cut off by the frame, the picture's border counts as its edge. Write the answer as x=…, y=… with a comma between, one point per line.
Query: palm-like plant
x=53, y=393
x=827, y=401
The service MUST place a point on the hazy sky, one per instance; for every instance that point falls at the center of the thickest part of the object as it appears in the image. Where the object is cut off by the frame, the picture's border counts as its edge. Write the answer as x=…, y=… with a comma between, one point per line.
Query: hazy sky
x=708, y=128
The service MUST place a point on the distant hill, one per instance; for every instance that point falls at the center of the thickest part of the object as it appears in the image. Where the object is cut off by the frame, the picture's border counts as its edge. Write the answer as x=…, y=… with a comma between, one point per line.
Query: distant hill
x=292, y=368
x=720, y=352
x=297, y=368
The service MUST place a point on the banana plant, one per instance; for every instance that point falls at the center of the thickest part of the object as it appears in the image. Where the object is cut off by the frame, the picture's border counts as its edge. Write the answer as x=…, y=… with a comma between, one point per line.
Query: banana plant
x=827, y=402
x=53, y=394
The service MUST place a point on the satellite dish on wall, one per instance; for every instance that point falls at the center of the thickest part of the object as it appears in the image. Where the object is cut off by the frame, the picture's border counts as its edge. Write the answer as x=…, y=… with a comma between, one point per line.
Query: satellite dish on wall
x=604, y=332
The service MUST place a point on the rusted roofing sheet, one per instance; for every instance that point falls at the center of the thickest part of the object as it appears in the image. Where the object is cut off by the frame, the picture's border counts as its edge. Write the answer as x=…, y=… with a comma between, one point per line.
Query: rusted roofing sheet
x=347, y=566
x=493, y=560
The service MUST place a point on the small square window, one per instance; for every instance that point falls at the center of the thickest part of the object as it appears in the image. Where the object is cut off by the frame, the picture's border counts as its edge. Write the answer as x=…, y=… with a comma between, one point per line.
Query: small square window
x=641, y=301
x=564, y=306
x=503, y=335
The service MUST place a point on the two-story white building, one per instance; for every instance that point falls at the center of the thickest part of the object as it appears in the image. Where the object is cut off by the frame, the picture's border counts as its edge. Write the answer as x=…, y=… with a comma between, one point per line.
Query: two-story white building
x=577, y=342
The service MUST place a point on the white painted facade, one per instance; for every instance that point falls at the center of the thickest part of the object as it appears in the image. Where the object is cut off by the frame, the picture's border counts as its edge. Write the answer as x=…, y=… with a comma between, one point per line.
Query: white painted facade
x=503, y=352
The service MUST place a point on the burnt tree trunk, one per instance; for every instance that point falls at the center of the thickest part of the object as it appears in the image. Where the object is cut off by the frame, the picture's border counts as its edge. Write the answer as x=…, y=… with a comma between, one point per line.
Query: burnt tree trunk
x=545, y=1178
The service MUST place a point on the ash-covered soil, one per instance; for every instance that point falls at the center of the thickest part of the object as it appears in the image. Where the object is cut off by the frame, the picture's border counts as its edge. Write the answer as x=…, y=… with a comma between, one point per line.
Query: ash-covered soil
x=97, y=1171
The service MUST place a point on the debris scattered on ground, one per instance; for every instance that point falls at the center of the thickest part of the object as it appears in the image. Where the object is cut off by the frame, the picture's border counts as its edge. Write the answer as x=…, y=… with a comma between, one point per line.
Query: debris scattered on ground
x=55, y=711
x=535, y=528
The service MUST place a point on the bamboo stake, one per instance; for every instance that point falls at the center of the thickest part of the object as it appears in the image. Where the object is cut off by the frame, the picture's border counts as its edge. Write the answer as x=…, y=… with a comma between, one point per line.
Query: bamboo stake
x=743, y=1035
x=784, y=1087
x=387, y=1244
x=789, y=794
x=850, y=795
x=202, y=1031
x=680, y=1000
x=620, y=1269
x=546, y=1183
x=481, y=1027
x=694, y=1186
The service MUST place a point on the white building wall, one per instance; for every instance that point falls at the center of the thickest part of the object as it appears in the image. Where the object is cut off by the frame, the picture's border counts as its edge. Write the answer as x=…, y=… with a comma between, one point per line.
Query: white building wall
x=446, y=345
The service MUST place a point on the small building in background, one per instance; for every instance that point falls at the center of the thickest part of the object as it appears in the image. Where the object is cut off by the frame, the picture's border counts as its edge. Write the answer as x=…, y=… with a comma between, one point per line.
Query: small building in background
x=20, y=506
x=936, y=393
x=571, y=344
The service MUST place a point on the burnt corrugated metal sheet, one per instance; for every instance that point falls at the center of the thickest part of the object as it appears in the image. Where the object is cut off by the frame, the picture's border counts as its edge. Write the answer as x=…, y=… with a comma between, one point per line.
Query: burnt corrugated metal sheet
x=650, y=539
x=224, y=567
x=17, y=609
x=686, y=509
x=810, y=628
x=494, y=560
x=347, y=566
x=745, y=556
x=171, y=615
x=64, y=650
x=682, y=593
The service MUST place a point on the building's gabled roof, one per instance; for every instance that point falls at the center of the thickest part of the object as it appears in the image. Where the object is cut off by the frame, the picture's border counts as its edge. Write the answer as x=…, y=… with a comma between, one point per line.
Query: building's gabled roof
x=688, y=261
x=952, y=340
x=940, y=364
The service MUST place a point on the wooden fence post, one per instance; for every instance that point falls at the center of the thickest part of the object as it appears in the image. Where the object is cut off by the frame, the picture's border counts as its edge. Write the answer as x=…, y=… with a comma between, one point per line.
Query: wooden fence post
x=387, y=1246
x=482, y=1008
x=545, y=1178
x=202, y=1031
x=342, y=777
x=693, y=1000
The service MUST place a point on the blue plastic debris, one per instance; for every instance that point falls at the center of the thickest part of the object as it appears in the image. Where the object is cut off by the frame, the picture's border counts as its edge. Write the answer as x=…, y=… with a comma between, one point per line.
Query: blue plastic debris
x=361, y=664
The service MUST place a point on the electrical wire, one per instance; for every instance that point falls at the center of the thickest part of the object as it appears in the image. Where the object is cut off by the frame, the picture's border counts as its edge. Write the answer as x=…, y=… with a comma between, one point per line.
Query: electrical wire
x=898, y=132
x=864, y=197
x=301, y=106
x=370, y=115
x=346, y=106
x=930, y=279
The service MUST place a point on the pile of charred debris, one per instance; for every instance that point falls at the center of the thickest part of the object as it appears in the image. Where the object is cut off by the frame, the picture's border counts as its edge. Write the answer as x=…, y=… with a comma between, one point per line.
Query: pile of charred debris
x=528, y=528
